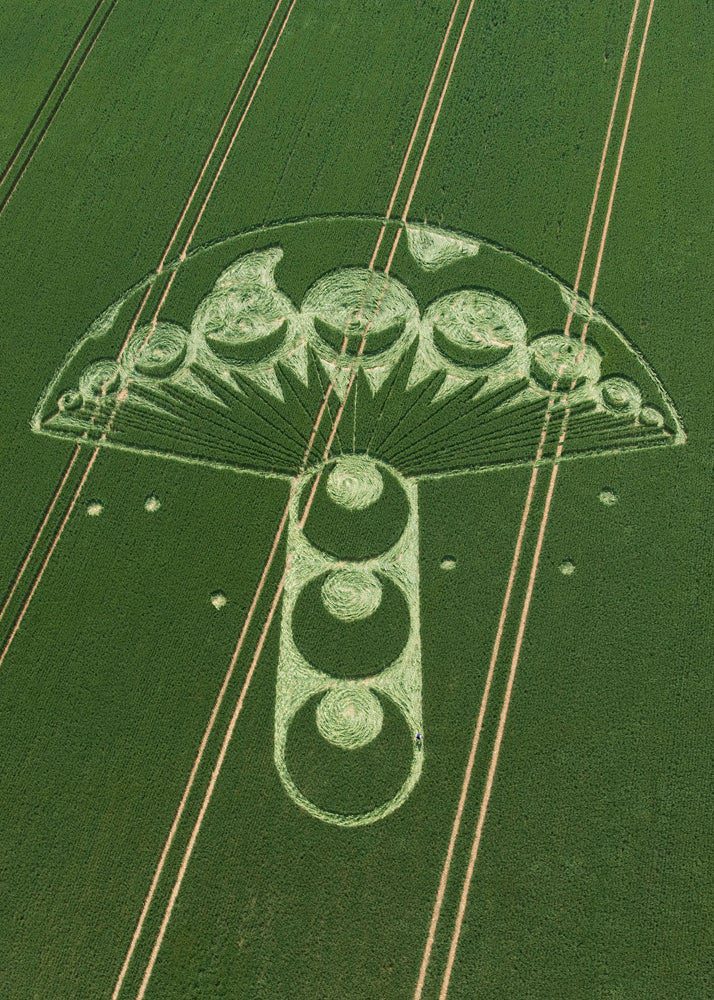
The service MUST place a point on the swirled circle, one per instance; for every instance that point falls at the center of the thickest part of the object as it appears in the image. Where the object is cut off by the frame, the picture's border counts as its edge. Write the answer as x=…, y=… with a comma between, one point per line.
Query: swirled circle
x=157, y=351
x=351, y=594
x=352, y=530
x=100, y=379
x=621, y=395
x=475, y=327
x=354, y=482
x=349, y=717
x=242, y=324
x=358, y=311
x=562, y=362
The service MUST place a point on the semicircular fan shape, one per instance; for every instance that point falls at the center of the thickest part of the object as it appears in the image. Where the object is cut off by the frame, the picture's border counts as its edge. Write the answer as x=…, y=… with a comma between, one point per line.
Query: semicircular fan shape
x=455, y=362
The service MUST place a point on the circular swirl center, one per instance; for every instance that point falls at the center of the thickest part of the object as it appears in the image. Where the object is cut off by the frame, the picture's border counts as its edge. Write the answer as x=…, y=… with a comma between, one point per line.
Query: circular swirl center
x=351, y=594
x=355, y=482
x=349, y=717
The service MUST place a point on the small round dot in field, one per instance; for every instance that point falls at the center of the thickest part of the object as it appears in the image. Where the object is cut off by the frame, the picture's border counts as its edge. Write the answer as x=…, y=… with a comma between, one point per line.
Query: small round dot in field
x=567, y=568
x=94, y=508
x=152, y=504
x=608, y=498
x=448, y=563
x=219, y=600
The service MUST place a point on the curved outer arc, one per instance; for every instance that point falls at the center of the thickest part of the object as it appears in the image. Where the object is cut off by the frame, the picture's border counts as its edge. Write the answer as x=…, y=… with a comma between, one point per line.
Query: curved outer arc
x=99, y=328
x=581, y=300
x=144, y=283
x=348, y=820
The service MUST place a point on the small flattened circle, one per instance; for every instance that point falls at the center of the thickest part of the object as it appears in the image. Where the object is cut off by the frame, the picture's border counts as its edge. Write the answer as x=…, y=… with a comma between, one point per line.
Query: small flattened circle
x=563, y=363
x=620, y=395
x=218, y=600
x=102, y=378
x=351, y=594
x=157, y=350
x=358, y=311
x=474, y=327
x=70, y=401
x=608, y=498
x=354, y=482
x=349, y=717
x=651, y=417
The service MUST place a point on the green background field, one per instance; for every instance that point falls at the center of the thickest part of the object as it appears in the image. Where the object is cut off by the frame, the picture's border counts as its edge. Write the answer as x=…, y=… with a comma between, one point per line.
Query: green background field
x=592, y=880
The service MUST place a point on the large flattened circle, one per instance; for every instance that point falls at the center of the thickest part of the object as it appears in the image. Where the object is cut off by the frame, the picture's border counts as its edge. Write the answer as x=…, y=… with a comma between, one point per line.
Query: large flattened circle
x=359, y=311
x=350, y=529
x=350, y=646
x=349, y=782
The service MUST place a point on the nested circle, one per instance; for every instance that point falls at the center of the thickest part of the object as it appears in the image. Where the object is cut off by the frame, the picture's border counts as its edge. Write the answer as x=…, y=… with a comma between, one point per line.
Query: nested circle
x=349, y=646
x=562, y=362
x=242, y=323
x=620, y=395
x=157, y=350
x=475, y=327
x=356, y=310
x=70, y=400
x=651, y=417
x=349, y=717
x=349, y=781
x=351, y=594
x=354, y=482
x=102, y=378
x=349, y=531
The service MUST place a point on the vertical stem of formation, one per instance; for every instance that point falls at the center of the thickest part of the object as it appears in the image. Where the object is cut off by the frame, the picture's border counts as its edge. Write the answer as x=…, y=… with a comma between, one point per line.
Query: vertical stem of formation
x=349, y=634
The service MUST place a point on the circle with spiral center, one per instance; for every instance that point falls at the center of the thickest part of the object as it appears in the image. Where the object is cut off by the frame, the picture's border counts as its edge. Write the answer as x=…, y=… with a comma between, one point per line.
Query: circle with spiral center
x=358, y=509
x=354, y=482
x=157, y=350
x=351, y=594
x=351, y=623
x=349, y=718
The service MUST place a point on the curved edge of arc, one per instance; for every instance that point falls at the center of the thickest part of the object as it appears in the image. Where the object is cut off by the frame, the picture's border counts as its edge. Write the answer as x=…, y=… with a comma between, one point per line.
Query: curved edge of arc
x=104, y=320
